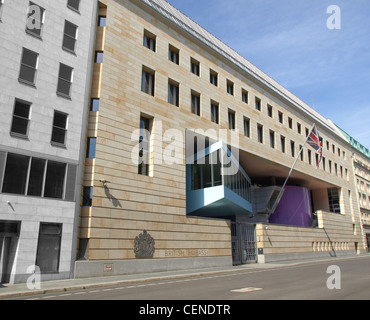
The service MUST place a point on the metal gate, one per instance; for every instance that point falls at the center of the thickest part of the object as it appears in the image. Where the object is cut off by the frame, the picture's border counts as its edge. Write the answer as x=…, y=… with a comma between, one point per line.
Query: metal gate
x=244, y=245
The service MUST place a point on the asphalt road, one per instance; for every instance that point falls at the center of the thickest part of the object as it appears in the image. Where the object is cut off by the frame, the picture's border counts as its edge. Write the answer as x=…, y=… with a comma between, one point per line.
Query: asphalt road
x=307, y=281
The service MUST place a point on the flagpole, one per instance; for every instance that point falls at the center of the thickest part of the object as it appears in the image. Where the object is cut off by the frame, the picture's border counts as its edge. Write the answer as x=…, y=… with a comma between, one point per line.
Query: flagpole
x=290, y=172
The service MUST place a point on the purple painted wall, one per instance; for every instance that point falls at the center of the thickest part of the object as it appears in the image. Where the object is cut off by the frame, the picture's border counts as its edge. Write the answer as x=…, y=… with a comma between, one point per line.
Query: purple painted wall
x=294, y=208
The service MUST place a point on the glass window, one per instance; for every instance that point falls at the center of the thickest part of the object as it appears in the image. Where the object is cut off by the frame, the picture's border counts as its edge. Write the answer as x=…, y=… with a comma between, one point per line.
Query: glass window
x=74, y=4
x=15, y=176
x=144, y=146
x=91, y=148
x=245, y=98
x=21, y=118
x=258, y=104
x=195, y=67
x=260, y=133
x=36, y=178
x=54, y=181
x=214, y=112
x=195, y=103
x=149, y=40
x=87, y=196
x=65, y=80
x=147, y=82
x=333, y=196
x=214, y=77
x=94, y=104
x=59, y=128
x=28, y=69
x=173, y=93
x=174, y=54
x=102, y=21
x=231, y=120
x=49, y=247
x=247, y=127
x=99, y=57
x=70, y=36
x=230, y=87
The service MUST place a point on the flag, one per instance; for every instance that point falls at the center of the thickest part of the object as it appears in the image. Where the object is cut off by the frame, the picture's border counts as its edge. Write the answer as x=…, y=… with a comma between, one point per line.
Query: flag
x=315, y=141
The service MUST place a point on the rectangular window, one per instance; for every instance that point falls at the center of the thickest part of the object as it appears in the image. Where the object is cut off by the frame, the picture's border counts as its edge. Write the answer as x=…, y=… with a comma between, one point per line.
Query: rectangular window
x=59, y=132
x=272, y=139
x=144, y=146
x=28, y=69
x=214, y=112
x=231, y=117
x=260, y=133
x=36, y=178
x=269, y=111
x=91, y=148
x=309, y=155
x=333, y=196
x=174, y=54
x=99, y=56
x=247, y=127
x=299, y=128
x=292, y=148
x=74, y=4
x=21, y=118
x=230, y=87
x=65, y=80
x=87, y=196
x=282, y=142
x=258, y=104
x=290, y=122
x=195, y=67
x=149, y=40
x=302, y=153
x=35, y=19
x=95, y=103
x=147, y=81
x=195, y=103
x=245, y=96
x=173, y=93
x=213, y=77
x=54, y=180
x=15, y=176
x=49, y=247
x=70, y=36
x=102, y=21
x=281, y=117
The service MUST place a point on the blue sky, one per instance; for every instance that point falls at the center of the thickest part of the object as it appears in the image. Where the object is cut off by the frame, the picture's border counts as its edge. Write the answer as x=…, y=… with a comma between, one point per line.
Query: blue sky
x=289, y=40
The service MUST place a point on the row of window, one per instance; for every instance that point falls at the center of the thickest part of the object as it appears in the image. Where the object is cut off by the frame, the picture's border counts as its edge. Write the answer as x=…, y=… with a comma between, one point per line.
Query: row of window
x=37, y=177
x=148, y=86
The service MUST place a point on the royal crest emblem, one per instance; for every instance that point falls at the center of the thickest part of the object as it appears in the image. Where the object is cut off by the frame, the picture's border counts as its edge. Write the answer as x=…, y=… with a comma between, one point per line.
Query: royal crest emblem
x=144, y=246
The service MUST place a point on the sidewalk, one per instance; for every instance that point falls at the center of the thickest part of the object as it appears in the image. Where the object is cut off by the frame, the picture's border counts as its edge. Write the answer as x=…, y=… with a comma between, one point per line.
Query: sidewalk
x=8, y=291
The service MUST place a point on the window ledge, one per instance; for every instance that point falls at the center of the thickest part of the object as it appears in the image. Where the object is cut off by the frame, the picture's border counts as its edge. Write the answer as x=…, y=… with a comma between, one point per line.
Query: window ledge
x=19, y=136
x=30, y=84
x=69, y=51
x=62, y=95
x=58, y=145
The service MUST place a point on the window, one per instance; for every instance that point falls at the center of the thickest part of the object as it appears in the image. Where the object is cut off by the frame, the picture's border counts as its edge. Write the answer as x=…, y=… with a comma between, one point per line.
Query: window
x=29, y=62
x=245, y=97
x=247, y=127
x=99, y=56
x=230, y=87
x=70, y=36
x=173, y=54
x=195, y=67
x=91, y=148
x=214, y=112
x=35, y=19
x=260, y=133
x=173, y=92
x=231, y=117
x=281, y=117
x=65, y=80
x=49, y=247
x=258, y=104
x=213, y=78
x=149, y=40
x=144, y=146
x=15, y=176
x=54, y=180
x=299, y=128
x=102, y=21
x=147, y=81
x=1, y=8
x=333, y=196
x=302, y=153
x=292, y=148
x=59, y=132
x=269, y=111
x=95, y=103
x=282, y=142
x=74, y=4
x=290, y=122
x=195, y=103
x=272, y=139
x=309, y=156
x=36, y=178
x=87, y=196
x=21, y=118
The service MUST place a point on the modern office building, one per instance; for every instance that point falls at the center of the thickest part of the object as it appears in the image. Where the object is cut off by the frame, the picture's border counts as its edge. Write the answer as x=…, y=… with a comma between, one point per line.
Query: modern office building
x=188, y=148
x=45, y=68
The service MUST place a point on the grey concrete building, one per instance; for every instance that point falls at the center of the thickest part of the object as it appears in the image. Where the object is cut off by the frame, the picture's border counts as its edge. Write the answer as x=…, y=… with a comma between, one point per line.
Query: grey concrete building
x=45, y=63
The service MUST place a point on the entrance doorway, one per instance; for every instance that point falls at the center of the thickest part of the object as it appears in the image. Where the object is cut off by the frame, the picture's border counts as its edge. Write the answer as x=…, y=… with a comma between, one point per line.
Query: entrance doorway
x=9, y=235
x=244, y=245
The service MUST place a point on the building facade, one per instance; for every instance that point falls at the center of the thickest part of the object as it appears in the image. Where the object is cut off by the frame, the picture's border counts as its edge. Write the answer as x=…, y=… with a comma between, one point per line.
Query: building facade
x=188, y=146
x=45, y=81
